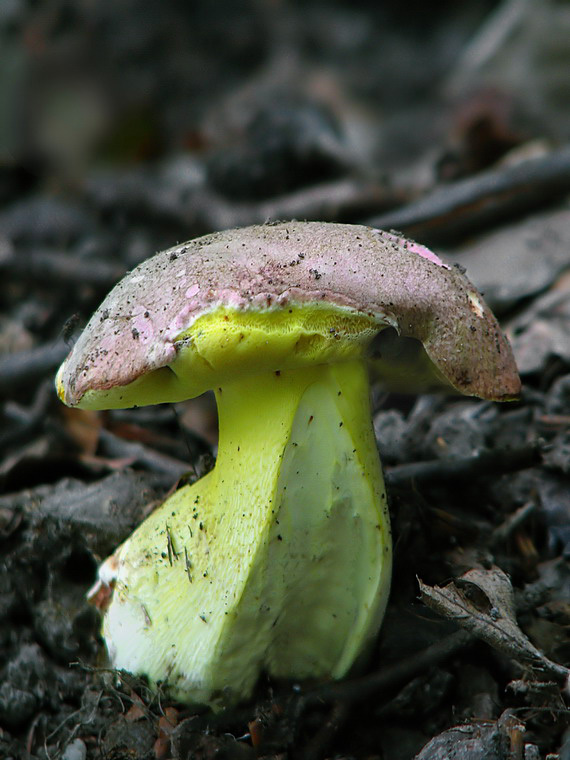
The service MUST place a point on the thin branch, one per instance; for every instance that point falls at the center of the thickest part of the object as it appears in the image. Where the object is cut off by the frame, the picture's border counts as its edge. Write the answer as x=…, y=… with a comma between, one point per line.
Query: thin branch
x=321, y=741
x=143, y=455
x=512, y=523
x=490, y=462
x=391, y=676
x=487, y=42
x=60, y=268
x=27, y=367
x=469, y=205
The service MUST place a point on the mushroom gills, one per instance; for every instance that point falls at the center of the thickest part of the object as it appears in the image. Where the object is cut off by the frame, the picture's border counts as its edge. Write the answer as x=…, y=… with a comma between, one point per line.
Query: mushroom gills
x=278, y=560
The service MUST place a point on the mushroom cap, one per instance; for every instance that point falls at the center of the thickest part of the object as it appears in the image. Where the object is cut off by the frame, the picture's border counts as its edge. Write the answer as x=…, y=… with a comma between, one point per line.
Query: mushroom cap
x=144, y=336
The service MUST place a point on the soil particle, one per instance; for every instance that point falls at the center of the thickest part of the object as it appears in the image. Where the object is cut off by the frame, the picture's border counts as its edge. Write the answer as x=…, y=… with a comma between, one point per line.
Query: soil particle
x=125, y=740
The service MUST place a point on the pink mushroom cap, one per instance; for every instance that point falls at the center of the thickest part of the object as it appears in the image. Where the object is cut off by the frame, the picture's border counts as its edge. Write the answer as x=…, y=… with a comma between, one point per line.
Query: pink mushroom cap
x=382, y=275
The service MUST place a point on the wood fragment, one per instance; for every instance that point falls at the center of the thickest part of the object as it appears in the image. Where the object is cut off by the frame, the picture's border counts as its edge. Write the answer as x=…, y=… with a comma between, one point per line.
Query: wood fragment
x=27, y=367
x=61, y=269
x=321, y=741
x=142, y=455
x=469, y=205
x=512, y=522
x=489, y=462
x=391, y=676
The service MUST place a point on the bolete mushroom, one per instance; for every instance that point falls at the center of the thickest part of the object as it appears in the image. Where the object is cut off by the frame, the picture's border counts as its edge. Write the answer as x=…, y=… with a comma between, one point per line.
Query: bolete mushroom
x=279, y=559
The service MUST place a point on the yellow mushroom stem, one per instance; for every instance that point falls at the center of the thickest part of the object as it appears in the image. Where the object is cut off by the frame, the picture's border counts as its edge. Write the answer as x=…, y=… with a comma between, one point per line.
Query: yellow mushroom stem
x=278, y=560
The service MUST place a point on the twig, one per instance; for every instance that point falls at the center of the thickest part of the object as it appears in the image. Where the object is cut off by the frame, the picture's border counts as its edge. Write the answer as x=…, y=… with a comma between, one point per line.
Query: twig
x=203, y=209
x=389, y=677
x=341, y=200
x=513, y=521
x=468, y=205
x=489, y=462
x=143, y=455
x=27, y=367
x=28, y=420
x=489, y=38
x=318, y=745
x=61, y=268
x=31, y=733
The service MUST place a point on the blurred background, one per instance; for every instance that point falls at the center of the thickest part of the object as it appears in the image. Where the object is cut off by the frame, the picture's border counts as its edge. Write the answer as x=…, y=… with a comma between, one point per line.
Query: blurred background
x=128, y=126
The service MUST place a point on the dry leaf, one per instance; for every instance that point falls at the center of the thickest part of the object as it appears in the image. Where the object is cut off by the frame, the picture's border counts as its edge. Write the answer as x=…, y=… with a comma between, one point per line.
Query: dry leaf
x=482, y=602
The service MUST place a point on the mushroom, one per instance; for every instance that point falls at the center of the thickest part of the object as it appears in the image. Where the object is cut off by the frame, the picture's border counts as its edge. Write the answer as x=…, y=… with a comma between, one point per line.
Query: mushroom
x=279, y=559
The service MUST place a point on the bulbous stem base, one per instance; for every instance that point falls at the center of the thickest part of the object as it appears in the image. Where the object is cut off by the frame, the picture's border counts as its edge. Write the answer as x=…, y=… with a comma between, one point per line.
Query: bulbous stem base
x=278, y=560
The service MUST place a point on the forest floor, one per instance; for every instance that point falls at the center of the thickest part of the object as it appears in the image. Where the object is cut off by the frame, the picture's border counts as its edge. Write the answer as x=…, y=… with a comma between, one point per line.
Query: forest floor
x=131, y=126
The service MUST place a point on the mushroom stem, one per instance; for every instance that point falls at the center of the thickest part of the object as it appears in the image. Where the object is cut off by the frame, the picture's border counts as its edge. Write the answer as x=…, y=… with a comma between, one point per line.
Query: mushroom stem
x=277, y=560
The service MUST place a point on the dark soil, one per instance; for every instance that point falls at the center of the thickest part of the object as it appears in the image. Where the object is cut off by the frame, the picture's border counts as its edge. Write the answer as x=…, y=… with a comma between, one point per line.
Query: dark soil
x=128, y=126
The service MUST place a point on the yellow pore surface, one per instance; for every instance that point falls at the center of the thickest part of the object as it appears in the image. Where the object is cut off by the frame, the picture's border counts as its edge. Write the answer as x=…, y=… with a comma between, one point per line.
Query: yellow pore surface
x=226, y=344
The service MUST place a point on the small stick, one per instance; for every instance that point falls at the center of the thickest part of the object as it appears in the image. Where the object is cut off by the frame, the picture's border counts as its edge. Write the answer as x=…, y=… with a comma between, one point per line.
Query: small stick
x=345, y=199
x=60, y=268
x=318, y=745
x=153, y=460
x=28, y=420
x=512, y=522
x=490, y=462
x=27, y=367
x=391, y=676
x=468, y=205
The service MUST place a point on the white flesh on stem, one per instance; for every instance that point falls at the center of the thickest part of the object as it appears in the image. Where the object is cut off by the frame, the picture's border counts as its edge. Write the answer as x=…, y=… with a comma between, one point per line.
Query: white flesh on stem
x=278, y=560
